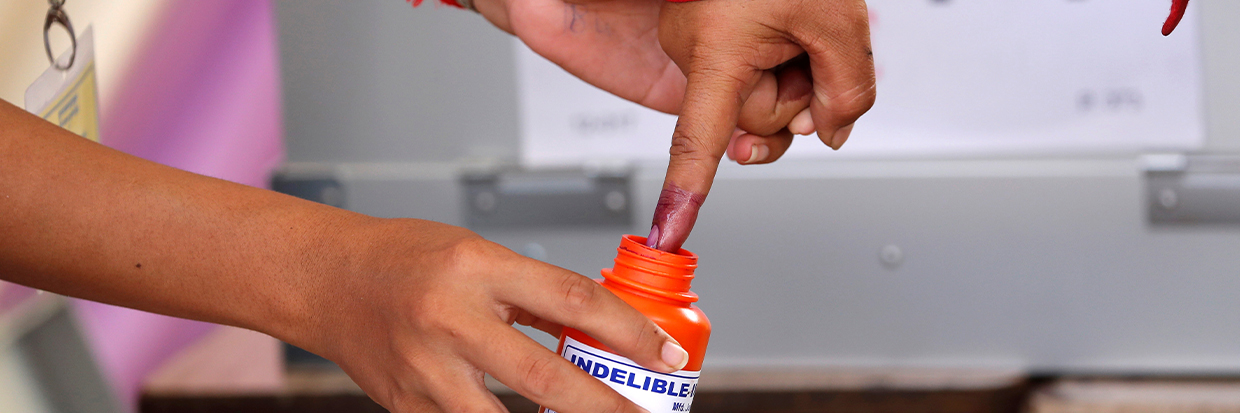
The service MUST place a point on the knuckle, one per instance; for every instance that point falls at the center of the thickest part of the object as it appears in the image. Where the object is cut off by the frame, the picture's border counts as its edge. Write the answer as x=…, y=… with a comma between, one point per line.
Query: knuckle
x=434, y=317
x=685, y=145
x=858, y=17
x=468, y=248
x=539, y=376
x=691, y=147
x=723, y=71
x=466, y=253
x=763, y=122
x=580, y=294
x=854, y=102
x=851, y=18
x=647, y=336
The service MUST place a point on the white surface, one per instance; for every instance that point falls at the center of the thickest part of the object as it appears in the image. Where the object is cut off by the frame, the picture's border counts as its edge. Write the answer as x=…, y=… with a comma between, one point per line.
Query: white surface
x=957, y=78
x=1042, y=264
x=19, y=391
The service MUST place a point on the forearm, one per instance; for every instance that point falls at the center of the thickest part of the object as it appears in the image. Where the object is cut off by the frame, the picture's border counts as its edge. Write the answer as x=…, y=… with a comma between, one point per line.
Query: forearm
x=83, y=220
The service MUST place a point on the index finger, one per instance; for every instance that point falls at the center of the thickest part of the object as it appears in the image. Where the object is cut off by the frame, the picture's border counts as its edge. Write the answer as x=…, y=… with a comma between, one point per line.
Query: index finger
x=572, y=300
x=708, y=116
x=542, y=376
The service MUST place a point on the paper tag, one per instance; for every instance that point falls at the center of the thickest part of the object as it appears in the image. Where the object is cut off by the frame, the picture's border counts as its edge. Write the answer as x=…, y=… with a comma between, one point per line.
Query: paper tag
x=70, y=98
x=656, y=392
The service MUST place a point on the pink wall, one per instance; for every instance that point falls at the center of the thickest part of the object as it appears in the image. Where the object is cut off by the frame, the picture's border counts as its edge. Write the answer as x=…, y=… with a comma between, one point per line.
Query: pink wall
x=203, y=95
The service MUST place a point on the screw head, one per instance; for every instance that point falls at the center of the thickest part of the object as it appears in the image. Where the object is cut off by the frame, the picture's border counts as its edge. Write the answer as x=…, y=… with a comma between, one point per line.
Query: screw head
x=331, y=195
x=891, y=256
x=615, y=201
x=535, y=250
x=485, y=201
x=1168, y=199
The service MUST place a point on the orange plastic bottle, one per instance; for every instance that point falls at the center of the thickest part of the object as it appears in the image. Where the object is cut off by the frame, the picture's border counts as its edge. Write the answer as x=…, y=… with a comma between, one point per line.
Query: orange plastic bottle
x=656, y=283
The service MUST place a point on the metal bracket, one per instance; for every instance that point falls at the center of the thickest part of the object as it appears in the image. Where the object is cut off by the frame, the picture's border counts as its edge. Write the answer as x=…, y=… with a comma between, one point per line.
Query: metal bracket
x=516, y=198
x=1192, y=189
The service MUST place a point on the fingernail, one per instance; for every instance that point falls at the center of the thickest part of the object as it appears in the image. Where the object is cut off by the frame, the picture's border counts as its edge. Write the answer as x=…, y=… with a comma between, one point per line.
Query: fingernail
x=758, y=153
x=675, y=356
x=652, y=240
x=802, y=123
x=841, y=136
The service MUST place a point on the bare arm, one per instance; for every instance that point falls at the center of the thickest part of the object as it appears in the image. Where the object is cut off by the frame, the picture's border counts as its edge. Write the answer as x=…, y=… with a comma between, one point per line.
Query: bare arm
x=414, y=311
x=88, y=221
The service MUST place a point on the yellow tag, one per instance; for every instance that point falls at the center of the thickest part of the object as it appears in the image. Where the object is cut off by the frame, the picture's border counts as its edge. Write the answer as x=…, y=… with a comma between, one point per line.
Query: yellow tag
x=70, y=98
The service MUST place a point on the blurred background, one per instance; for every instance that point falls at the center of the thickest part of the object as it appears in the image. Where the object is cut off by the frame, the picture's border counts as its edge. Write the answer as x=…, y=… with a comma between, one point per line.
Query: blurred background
x=1040, y=213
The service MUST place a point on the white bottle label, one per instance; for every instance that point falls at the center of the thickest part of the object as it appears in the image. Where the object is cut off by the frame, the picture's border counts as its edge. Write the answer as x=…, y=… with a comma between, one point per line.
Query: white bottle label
x=653, y=391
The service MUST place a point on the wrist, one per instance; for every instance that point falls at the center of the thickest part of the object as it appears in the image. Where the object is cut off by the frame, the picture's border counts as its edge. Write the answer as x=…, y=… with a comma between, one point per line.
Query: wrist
x=328, y=258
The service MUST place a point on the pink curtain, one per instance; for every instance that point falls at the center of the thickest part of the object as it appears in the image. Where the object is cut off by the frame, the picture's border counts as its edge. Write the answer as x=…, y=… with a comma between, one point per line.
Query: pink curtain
x=203, y=95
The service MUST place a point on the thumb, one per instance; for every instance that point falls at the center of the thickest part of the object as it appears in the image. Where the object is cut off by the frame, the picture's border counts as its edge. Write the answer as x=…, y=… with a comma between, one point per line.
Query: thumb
x=714, y=96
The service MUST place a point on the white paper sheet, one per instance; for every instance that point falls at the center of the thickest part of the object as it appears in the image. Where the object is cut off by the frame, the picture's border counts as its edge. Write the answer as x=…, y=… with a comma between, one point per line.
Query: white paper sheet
x=975, y=78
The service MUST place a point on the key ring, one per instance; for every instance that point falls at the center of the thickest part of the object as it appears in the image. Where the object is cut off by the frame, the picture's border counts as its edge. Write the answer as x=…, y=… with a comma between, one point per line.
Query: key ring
x=56, y=15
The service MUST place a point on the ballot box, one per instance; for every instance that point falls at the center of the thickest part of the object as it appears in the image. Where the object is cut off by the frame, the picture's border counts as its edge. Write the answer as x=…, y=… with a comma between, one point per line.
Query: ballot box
x=1049, y=187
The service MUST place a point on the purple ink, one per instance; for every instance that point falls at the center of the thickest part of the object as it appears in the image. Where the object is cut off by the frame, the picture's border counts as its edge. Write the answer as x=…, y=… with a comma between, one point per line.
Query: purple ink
x=674, y=218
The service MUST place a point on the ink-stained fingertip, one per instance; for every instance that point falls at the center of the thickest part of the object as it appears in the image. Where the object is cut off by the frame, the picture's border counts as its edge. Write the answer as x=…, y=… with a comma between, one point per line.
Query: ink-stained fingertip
x=652, y=240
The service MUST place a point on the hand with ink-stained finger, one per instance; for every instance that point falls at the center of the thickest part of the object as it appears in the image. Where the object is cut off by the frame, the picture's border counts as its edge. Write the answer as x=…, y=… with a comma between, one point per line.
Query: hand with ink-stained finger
x=744, y=75
x=730, y=51
x=726, y=50
x=754, y=73
x=615, y=45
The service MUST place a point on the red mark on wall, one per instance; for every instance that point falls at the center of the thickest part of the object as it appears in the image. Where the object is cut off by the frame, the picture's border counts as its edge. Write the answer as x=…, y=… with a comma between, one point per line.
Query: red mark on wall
x=1178, y=7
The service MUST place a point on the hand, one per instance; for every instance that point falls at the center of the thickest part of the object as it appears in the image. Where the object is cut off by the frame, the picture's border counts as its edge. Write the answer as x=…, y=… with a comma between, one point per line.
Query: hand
x=726, y=49
x=614, y=45
x=413, y=311
x=432, y=309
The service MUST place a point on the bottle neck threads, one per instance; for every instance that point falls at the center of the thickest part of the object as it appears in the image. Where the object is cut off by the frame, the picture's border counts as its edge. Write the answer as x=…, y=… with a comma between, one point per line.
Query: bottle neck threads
x=654, y=272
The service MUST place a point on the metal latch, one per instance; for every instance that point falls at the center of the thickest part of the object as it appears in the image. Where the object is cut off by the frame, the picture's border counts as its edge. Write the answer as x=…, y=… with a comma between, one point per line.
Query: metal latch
x=318, y=183
x=1192, y=189
x=517, y=197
